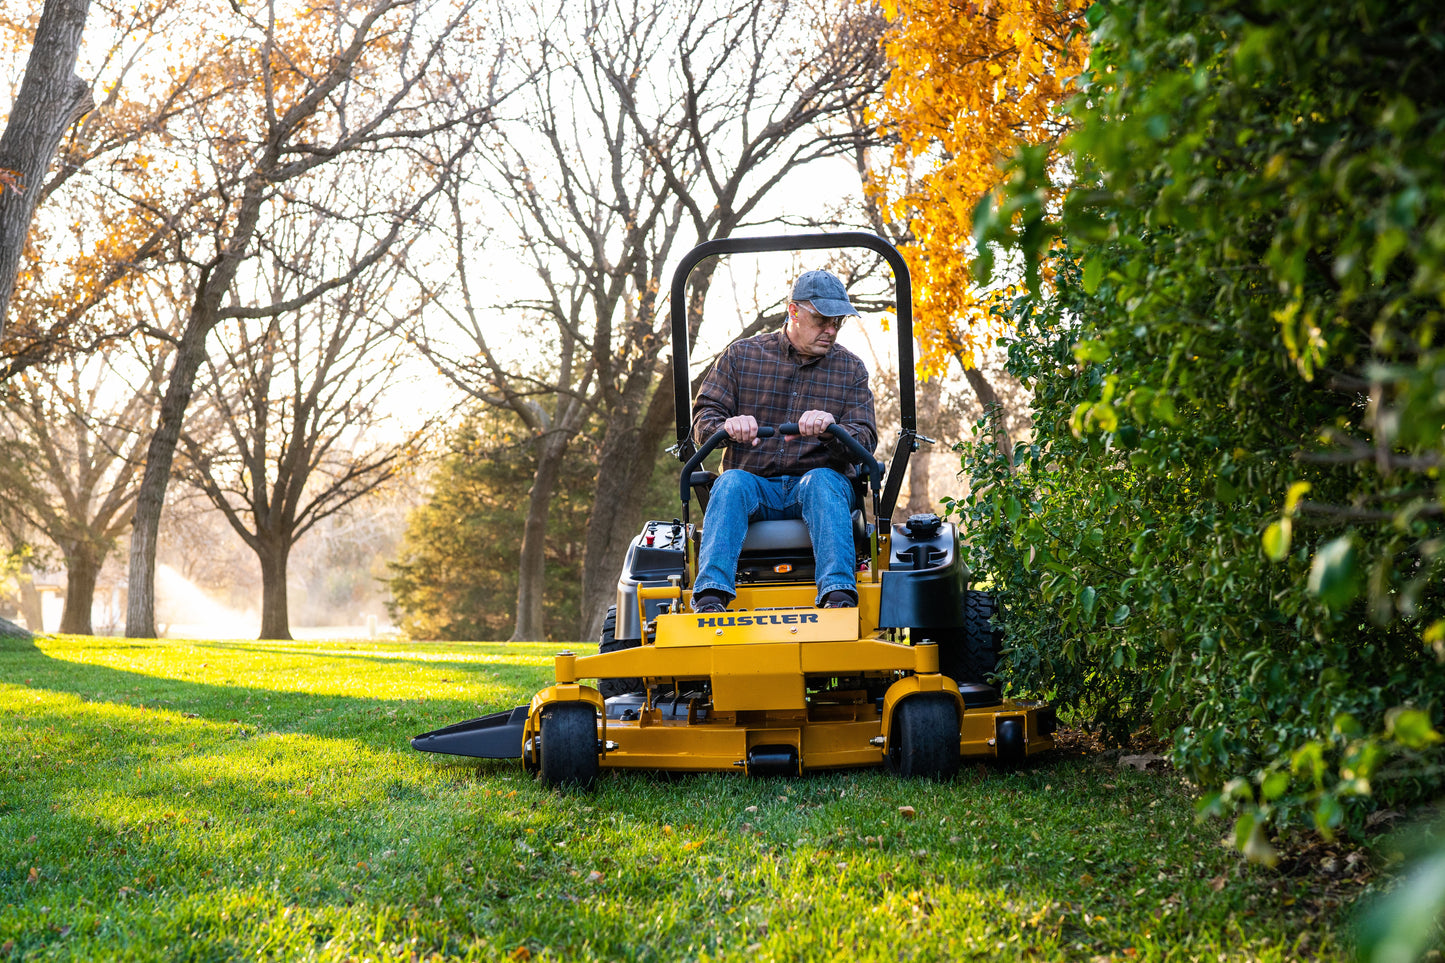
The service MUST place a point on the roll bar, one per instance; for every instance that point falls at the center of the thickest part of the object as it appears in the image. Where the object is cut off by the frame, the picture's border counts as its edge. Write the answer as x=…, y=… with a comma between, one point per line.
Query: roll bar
x=681, y=350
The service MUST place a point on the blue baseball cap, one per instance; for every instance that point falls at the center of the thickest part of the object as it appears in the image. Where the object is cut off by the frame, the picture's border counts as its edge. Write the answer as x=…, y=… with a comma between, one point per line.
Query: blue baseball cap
x=825, y=292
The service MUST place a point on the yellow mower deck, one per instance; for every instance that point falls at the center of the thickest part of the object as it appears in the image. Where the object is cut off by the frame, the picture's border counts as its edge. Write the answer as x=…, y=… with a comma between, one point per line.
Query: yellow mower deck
x=769, y=659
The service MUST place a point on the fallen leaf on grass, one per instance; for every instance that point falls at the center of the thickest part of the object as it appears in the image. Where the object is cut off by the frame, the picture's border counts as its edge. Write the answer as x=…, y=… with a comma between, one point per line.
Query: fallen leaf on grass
x=595, y=877
x=751, y=809
x=521, y=953
x=1143, y=762
x=908, y=812
x=1217, y=883
x=667, y=830
x=34, y=874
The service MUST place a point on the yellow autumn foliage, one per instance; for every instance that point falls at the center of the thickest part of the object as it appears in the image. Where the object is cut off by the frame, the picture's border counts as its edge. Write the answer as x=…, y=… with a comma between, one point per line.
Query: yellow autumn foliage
x=970, y=82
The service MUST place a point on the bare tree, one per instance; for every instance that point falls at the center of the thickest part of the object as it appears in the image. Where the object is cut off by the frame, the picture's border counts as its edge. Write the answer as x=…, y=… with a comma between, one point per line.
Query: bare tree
x=291, y=408
x=77, y=431
x=51, y=99
x=77, y=254
x=653, y=127
x=371, y=80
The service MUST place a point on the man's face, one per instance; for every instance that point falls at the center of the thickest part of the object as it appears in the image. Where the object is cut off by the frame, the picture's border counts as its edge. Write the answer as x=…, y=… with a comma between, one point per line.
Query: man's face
x=811, y=333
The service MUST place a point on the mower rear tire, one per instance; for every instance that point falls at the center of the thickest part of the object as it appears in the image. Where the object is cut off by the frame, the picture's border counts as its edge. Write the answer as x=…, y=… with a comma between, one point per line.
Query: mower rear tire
x=970, y=654
x=924, y=740
x=611, y=643
x=569, y=745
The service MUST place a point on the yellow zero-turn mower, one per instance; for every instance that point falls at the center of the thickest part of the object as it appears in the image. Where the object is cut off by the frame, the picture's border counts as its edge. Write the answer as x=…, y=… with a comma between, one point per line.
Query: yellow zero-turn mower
x=774, y=685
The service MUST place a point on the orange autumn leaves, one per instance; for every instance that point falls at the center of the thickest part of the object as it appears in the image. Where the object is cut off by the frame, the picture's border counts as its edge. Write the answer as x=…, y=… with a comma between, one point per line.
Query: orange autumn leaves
x=970, y=82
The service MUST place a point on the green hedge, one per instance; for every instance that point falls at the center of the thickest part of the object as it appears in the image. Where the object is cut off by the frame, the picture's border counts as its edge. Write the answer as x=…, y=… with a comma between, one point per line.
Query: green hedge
x=1229, y=520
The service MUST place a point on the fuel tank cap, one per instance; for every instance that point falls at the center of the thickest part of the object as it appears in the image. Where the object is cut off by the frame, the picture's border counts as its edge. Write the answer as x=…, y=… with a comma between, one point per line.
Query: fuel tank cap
x=923, y=526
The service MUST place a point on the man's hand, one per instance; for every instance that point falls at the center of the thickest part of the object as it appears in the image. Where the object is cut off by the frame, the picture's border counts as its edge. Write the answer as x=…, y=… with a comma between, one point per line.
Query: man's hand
x=743, y=429
x=814, y=423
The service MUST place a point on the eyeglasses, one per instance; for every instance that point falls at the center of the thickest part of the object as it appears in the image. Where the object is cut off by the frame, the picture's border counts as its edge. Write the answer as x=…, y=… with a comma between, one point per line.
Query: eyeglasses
x=823, y=321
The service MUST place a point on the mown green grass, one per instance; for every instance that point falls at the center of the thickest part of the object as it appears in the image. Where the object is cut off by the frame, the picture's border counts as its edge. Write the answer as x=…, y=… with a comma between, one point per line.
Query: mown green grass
x=209, y=801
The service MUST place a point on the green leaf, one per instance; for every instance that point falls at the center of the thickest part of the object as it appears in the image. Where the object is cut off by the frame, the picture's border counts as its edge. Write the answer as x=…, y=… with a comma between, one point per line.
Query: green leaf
x=1387, y=247
x=1400, y=116
x=1257, y=848
x=1093, y=274
x=1087, y=351
x=1012, y=508
x=1328, y=815
x=1276, y=539
x=1120, y=615
x=1411, y=728
x=1087, y=598
x=1244, y=825
x=1334, y=573
x=1274, y=785
x=1162, y=409
x=1346, y=725
x=1403, y=924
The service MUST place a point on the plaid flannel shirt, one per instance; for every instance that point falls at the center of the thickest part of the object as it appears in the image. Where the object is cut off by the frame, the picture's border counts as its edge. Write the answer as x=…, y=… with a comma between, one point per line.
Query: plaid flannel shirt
x=765, y=376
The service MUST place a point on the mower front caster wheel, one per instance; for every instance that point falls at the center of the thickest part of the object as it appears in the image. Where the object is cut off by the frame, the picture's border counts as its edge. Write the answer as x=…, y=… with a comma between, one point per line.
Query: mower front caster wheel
x=569, y=745
x=924, y=741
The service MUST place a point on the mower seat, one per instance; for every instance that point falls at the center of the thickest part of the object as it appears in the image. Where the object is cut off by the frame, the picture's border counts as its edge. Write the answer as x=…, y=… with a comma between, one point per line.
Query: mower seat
x=791, y=535
x=782, y=550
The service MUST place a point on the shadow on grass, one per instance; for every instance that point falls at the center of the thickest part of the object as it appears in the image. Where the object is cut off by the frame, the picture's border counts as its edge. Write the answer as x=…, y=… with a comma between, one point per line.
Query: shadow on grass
x=133, y=706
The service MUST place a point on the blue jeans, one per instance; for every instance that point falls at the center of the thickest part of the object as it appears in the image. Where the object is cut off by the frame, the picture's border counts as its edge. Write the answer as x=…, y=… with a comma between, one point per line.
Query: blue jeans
x=822, y=498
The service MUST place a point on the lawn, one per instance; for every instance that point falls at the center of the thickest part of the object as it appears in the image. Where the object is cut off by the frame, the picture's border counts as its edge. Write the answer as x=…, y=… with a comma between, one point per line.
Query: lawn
x=219, y=800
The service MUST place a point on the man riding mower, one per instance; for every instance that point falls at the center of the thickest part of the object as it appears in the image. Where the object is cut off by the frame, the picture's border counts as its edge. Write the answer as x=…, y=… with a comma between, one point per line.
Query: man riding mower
x=859, y=644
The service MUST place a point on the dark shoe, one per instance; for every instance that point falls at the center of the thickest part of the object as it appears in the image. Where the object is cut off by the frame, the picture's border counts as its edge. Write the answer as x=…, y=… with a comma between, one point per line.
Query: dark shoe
x=708, y=602
x=839, y=599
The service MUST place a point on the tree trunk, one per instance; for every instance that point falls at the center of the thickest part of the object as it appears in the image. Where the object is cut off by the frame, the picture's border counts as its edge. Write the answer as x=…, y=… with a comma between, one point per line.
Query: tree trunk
x=140, y=609
x=82, y=567
x=920, y=463
x=532, y=567
x=920, y=474
x=624, y=471
x=51, y=98
x=32, y=609
x=275, y=613
x=993, y=409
